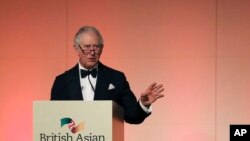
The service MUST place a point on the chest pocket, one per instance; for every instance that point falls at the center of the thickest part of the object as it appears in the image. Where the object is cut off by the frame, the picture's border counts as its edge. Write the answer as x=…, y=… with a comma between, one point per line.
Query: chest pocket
x=112, y=94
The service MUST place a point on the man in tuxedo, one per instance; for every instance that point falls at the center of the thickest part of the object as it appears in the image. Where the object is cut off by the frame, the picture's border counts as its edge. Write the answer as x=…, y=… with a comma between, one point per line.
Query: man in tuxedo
x=90, y=80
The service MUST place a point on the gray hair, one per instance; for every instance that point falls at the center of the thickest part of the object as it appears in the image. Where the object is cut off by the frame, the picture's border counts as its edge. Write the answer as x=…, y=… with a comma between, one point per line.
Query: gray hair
x=85, y=29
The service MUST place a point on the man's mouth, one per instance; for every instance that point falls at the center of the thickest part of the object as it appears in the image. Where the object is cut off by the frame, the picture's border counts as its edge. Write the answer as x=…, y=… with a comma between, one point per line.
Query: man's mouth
x=92, y=59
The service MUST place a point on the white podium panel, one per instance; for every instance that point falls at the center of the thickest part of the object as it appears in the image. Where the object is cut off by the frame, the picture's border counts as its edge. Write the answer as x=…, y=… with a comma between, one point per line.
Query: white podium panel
x=77, y=121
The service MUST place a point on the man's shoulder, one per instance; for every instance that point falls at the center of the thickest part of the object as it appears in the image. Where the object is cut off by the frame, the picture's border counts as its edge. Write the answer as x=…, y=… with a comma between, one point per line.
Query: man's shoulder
x=68, y=73
x=110, y=70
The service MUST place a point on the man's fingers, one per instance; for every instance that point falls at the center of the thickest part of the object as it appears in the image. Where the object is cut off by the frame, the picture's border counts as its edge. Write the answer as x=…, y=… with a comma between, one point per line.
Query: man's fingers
x=152, y=86
x=159, y=88
x=157, y=91
x=160, y=96
x=154, y=90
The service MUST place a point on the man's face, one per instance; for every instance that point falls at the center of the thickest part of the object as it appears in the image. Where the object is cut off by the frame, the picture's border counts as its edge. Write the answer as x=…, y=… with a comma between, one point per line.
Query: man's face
x=89, y=53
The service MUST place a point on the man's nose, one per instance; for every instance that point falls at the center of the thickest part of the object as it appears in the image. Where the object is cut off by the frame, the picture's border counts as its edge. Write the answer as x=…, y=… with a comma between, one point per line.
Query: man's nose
x=92, y=50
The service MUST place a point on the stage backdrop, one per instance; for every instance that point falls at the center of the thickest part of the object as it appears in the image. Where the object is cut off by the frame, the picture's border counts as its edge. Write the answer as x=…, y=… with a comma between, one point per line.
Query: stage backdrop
x=199, y=49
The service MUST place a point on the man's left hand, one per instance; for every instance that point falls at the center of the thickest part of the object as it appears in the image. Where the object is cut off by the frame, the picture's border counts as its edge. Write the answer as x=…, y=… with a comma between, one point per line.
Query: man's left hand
x=153, y=92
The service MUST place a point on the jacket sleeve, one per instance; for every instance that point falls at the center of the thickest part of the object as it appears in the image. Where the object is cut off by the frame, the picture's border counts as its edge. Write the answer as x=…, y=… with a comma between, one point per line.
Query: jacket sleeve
x=133, y=113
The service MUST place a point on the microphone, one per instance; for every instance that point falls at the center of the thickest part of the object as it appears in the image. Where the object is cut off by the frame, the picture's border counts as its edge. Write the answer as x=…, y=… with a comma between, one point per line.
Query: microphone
x=91, y=85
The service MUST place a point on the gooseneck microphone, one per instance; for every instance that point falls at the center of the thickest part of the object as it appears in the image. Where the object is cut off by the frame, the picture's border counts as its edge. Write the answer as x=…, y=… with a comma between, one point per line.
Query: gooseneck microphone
x=91, y=85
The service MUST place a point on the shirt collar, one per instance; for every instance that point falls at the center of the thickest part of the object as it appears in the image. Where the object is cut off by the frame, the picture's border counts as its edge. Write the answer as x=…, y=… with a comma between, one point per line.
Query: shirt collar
x=81, y=67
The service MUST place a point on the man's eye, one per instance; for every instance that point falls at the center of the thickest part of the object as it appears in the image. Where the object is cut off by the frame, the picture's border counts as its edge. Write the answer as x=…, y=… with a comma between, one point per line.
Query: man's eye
x=98, y=46
x=87, y=46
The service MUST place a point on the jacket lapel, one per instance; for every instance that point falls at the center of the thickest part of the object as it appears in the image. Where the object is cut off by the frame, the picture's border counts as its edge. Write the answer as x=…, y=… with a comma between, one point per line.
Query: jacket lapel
x=75, y=87
x=102, y=83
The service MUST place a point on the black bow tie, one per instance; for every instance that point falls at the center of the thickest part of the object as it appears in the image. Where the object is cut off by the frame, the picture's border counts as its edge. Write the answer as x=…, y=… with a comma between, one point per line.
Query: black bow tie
x=85, y=73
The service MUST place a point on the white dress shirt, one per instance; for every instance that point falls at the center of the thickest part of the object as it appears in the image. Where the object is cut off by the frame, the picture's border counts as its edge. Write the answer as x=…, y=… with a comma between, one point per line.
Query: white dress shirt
x=87, y=90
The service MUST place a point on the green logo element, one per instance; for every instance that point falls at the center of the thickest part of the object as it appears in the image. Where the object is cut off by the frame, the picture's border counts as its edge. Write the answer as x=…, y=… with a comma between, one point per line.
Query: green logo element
x=71, y=125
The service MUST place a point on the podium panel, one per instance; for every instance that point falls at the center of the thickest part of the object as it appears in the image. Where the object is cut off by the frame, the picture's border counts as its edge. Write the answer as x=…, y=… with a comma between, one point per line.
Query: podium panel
x=77, y=121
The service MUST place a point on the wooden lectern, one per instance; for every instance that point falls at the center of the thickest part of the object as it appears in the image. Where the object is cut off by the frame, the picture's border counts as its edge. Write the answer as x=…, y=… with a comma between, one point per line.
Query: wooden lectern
x=77, y=121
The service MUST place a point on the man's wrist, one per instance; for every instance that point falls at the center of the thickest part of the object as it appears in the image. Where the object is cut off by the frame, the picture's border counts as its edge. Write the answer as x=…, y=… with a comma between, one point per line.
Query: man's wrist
x=146, y=109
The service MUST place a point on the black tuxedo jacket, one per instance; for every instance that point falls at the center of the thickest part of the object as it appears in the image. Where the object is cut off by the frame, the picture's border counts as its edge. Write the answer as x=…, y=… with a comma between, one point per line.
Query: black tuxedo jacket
x=67, y=87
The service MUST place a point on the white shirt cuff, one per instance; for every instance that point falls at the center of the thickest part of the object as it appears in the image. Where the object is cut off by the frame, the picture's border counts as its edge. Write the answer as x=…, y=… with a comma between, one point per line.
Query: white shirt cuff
x=145, y=109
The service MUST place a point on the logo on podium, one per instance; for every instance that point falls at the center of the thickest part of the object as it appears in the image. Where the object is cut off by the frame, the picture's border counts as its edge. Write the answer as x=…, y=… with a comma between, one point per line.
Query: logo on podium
x=71, y=125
